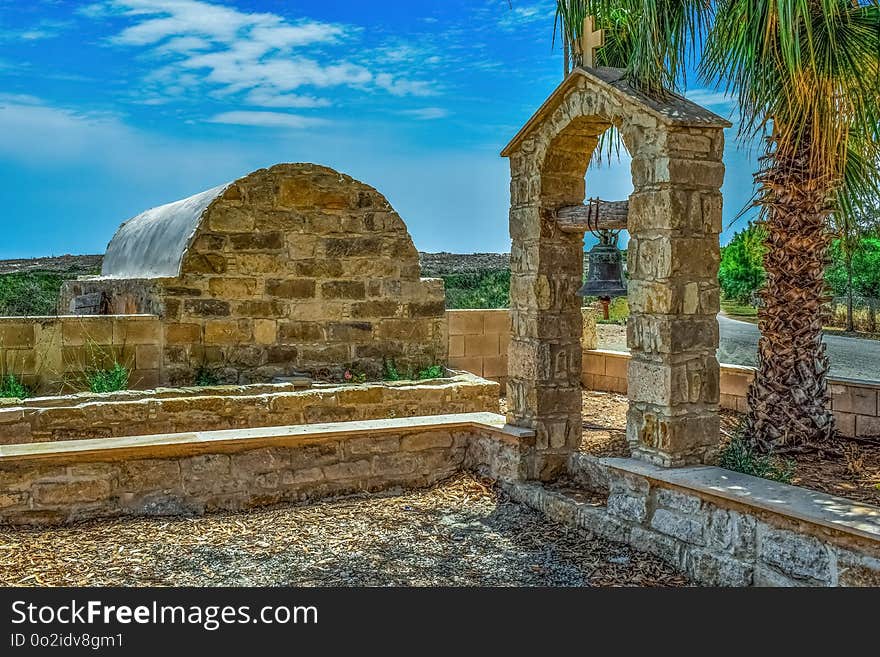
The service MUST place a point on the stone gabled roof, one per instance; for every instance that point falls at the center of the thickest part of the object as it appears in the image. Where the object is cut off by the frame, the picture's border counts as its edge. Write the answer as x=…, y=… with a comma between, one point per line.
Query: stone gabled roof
x=674, y=110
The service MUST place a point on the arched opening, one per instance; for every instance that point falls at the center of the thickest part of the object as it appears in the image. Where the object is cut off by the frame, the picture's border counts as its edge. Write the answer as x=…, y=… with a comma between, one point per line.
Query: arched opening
x=608, y=180
x=673, y=215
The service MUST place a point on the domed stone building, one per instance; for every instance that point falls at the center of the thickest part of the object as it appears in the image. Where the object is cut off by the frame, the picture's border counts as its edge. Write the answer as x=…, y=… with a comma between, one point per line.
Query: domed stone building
x=295, y=268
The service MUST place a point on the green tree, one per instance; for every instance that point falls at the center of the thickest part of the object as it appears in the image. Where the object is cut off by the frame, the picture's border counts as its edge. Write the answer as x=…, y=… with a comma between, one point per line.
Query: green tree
x=741, y=273
x=806, y=74
x=856, y=271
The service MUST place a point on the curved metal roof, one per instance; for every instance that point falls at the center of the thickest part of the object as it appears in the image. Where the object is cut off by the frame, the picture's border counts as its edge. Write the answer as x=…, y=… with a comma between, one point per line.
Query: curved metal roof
x=152, y=244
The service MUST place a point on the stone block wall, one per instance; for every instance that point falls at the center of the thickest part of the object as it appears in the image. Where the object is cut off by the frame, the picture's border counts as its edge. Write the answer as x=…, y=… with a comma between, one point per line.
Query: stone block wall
x=292, y=268
x=721, y=528
x=856, y=404
x=54, y=354
x=82, y=417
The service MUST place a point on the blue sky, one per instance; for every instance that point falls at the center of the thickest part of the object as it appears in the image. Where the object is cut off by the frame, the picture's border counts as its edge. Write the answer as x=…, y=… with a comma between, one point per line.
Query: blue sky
x=109, y=107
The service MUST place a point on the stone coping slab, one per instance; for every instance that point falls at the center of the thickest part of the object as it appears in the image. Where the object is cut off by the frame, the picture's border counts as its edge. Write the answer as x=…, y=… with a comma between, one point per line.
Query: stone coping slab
x=162, y=445
x=806, y=505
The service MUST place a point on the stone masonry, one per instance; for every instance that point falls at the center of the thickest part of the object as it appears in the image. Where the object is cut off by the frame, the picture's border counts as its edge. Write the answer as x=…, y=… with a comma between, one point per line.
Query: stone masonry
x=241, y=469
x=722, y=528
x=181, y=410
x=674, y=221
x=292, y=268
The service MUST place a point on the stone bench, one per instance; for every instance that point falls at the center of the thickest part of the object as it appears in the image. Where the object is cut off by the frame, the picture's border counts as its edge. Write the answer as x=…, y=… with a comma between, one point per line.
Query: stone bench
x=198, y=472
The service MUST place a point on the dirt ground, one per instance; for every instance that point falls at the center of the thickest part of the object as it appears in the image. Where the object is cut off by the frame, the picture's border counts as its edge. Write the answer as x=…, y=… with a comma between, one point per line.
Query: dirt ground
x=845, y=467
x=459, y=533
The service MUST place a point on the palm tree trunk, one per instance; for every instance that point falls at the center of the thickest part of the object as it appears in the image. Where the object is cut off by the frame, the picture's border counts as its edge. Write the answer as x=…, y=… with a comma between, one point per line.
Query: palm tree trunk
x=788, y=400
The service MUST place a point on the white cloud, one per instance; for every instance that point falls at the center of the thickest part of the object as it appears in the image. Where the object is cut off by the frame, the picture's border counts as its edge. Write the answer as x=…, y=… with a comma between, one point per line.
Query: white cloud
x=32, y=129
x=45, y=29
x=49, y=138
x=208, y=47
x=710, y=98
x=427, y=113
x=261, y=97
x=267, y=120
x=403, y=87
x=521, y=15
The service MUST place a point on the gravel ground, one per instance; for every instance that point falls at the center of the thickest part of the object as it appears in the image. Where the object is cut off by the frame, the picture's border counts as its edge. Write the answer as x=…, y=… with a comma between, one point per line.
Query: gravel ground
x=460, y=533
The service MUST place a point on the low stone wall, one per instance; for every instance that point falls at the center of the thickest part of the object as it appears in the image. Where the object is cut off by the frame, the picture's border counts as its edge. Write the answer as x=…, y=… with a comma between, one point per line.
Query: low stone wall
x=856, y=404
x=234, y=470
x=722, y=528
x=86, y=416
x=52, y=354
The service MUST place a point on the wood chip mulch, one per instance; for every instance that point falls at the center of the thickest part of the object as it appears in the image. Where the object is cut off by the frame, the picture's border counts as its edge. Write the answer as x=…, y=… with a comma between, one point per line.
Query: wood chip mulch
x=844, y=467
x=459, y=533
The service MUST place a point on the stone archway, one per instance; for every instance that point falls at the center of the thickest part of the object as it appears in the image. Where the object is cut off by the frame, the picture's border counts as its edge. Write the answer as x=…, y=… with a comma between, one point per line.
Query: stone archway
x=674, y=220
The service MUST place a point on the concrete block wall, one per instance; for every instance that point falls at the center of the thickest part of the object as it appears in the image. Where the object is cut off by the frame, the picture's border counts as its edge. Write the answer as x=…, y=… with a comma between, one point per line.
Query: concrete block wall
x=856, y=404
x=478, y=342
x=53, y=354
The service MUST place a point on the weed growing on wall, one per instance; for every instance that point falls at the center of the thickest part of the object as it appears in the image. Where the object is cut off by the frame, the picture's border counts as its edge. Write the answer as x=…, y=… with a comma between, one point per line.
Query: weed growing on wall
x=354, y=377
x=109, y=380
x=12, y=387
x=432, y=372
x=389, y=370
x=206, y=377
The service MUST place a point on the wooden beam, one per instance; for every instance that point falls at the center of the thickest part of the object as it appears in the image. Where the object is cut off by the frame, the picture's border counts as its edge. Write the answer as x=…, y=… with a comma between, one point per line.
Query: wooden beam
x=612, y=216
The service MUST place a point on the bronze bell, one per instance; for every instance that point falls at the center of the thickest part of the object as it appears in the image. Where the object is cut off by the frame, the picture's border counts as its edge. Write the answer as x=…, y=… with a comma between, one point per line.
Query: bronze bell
x=605, y=275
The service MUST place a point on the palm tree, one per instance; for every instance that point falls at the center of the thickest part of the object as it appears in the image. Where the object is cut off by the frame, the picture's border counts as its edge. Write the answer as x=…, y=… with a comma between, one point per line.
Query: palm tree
x=806, y=74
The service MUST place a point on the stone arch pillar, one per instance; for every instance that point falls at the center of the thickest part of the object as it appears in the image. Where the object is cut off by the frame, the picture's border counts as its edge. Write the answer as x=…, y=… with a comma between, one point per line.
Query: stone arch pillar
x=674, y=222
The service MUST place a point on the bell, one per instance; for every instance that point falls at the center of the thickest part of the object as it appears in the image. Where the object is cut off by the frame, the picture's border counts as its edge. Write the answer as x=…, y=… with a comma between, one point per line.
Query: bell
x=605, y=275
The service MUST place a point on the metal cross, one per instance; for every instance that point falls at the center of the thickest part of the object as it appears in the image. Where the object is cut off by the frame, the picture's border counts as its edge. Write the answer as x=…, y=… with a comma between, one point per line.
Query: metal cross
x=591, y=40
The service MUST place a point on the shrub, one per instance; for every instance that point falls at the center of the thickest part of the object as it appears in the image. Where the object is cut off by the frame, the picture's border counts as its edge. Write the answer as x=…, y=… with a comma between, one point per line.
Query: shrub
x=740, y=456
x=112, y=380
x=12, y=387
x=485, y=289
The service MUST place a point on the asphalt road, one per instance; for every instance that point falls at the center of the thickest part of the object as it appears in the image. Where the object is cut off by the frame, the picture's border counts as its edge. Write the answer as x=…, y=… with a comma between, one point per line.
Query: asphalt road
x=852, y=358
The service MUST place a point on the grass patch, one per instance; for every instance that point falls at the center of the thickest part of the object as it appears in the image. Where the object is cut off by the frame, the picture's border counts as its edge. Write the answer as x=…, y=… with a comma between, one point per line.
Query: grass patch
x=733, y=308
x=739, y=456
x=12, y=388
x=486, y=289
x=111, y=380
x=618, y=310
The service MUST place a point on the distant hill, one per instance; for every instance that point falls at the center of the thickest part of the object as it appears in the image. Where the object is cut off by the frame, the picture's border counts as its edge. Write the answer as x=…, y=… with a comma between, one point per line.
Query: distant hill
x=74, y=265
x=433, y=264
